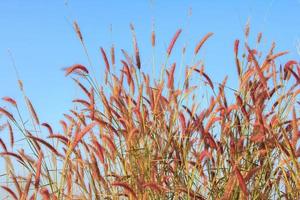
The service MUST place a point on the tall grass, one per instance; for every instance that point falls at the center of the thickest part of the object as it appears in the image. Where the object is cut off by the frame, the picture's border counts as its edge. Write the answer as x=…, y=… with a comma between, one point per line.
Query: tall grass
x=142, y=137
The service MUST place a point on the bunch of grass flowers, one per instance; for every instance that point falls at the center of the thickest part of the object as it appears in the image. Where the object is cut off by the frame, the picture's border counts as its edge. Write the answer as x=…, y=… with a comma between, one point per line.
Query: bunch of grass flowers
x=145, y=137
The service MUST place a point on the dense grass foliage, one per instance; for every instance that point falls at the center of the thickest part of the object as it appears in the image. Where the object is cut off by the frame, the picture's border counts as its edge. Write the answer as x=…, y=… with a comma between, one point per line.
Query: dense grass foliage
x=143, y=137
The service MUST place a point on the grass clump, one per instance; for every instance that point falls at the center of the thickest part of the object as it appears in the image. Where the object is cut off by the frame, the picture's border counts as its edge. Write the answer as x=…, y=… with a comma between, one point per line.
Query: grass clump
x=148, y=138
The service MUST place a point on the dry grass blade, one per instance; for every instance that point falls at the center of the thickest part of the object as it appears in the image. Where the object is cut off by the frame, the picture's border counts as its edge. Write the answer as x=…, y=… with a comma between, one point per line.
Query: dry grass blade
x=48, y=127
x=76, y=68
x=82, y=133
x=12, y=194
x=170, y=83
x=17, y=185
x=7, y=114
x=173, y=41
x=202, y=41
x=153, y=38
x=77, y=30
x=236, y=47
x=257, y=68
x=84, y=89
x=296, y=134
x=26, y=188
x=237, y=62
x=62, y=138
x=92, y=104
x=49, y=146
x=136, y=48
x=107, y=140
x=99, y=151
x=105, y=59
x=81, y=101
x=112, y=55
x=273, y=57
x=32, y=111
x=3, y=145
x=11, y=135
x=38, y=171
x=241, y=180
x=208, y=80
x=10, y=100
x=6, y=153
x=259, y=36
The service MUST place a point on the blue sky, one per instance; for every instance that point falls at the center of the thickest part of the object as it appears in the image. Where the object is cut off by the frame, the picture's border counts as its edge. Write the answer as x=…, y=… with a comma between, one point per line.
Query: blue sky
x=41, y=38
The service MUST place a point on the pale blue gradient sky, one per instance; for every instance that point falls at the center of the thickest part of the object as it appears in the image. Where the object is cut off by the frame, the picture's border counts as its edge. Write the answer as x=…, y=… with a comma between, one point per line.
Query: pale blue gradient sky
x=42, y=40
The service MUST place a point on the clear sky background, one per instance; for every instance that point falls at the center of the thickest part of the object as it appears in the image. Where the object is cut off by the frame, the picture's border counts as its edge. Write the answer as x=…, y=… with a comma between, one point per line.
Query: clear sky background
x=41, y=38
